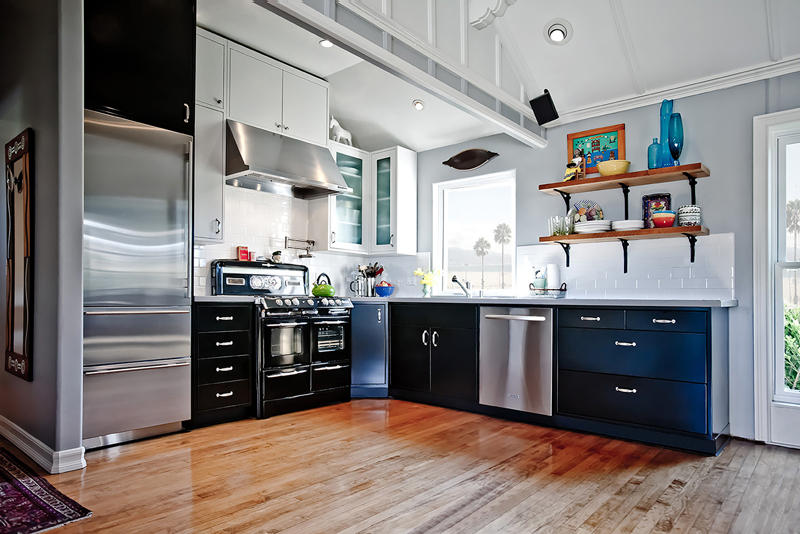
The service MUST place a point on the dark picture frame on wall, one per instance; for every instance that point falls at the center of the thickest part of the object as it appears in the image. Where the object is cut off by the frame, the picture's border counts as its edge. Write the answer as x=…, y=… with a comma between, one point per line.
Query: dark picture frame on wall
x=19, y=255
x=600, y=144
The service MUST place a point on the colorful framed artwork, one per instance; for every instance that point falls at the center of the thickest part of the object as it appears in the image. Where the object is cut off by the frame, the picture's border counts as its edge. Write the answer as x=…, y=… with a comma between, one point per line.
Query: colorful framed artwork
x=653, y=203
x=600, y=144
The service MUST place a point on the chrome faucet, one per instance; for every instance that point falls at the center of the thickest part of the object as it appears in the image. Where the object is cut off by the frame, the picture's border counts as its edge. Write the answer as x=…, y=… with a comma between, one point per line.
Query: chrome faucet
x=467, y=290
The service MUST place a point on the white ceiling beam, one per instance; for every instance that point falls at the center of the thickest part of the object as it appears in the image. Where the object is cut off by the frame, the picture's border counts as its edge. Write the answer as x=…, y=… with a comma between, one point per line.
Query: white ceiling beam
x=350, y=40
x=627, y=46
x=773, y=30
x=398, y=32
x=717, y=83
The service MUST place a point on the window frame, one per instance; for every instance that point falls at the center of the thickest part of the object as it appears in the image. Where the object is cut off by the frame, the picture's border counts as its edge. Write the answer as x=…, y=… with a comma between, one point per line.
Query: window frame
x=439, y=209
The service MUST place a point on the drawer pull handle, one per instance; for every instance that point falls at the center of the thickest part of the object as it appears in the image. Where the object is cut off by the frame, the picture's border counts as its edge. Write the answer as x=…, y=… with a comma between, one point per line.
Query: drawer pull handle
x=281, y=375
x=624, y=390
x=333, y=368
x=583, y=318
x=224, y=369
x=224, y=343
x=663, y=321
x=625, y=343
x=228, y=394
x=227, y=318
x=425, y=338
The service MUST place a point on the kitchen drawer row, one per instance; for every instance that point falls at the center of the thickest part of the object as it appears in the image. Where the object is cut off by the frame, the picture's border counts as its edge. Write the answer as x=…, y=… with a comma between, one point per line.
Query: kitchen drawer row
x=647, y=374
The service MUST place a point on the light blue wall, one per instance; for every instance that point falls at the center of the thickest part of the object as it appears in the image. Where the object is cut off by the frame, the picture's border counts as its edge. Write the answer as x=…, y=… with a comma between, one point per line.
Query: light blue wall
x=719, y=133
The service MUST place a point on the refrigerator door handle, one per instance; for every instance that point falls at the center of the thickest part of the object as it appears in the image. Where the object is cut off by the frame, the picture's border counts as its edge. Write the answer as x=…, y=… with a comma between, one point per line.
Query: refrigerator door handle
x=137, y=312
x=112, y=370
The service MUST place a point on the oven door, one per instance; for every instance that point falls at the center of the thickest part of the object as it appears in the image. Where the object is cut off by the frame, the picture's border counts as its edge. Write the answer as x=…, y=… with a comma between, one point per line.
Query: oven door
x=330, y=339
x=285, y=342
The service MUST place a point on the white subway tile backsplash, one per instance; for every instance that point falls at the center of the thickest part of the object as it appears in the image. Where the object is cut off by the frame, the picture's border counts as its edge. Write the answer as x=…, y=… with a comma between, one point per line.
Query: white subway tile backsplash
x=657, y=269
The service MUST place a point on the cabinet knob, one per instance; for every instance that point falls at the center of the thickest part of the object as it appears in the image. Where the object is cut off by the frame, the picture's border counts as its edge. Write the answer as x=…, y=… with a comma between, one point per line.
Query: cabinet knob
x=278, y=126
x=285, y=127
x=218, y=100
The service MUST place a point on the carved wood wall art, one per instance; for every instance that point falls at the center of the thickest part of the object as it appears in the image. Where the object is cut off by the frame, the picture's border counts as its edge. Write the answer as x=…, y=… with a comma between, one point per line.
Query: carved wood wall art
x=19, y=256
x=470, y=159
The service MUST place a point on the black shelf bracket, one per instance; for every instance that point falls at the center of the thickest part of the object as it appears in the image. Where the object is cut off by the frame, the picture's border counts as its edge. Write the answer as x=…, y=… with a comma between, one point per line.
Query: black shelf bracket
x=625, y=190
x=565, y=196
x=624, y=255
x=565, y=246
x=692, y=184
x=692, y=243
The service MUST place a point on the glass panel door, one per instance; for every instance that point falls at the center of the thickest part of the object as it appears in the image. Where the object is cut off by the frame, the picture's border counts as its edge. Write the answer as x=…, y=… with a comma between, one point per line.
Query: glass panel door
x=348, y=217
x=383, y=200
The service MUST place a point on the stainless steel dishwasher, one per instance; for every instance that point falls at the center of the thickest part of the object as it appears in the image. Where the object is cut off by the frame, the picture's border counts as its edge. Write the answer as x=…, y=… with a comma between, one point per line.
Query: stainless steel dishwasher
x=516, y=359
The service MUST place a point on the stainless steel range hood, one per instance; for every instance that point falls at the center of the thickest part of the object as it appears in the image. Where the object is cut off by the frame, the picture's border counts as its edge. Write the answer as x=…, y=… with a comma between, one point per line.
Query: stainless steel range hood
x=269, y=162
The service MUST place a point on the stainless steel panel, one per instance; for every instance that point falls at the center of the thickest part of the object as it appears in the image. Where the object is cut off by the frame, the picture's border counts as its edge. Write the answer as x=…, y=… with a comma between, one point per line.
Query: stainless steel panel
x=134, y=399
x=122, y=437
x=516, y=359
x=136, y=214
x=114, y=335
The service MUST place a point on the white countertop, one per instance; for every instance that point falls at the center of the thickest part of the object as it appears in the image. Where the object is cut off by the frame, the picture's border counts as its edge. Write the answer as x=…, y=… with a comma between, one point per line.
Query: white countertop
x=511, y=301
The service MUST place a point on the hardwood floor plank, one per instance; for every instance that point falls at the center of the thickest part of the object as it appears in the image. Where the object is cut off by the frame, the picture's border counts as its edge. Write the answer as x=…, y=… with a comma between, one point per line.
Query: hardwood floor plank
x=383, y=466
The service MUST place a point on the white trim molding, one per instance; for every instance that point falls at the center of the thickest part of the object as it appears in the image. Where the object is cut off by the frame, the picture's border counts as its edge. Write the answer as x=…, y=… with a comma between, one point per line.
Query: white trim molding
x=766, y=130
x=481, y=16
x=51, y=461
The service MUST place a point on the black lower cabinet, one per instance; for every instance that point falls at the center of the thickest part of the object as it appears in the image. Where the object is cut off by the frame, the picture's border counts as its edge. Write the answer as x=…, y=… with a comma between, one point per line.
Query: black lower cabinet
x=434, y=354
x=370, y=361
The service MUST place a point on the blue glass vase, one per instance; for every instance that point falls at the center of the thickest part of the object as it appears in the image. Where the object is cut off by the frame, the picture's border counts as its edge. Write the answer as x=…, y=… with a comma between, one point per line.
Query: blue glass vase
x=675, y=137
x=666, y=113
x=654, y=155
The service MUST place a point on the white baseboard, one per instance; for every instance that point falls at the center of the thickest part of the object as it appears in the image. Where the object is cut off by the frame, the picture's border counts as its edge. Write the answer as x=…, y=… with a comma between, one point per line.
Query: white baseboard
x=52, y=461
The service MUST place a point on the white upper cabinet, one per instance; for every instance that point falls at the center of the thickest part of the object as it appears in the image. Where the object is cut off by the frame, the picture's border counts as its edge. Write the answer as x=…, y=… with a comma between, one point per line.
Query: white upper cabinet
x=394, y=202
x=304, y=103
x=210, y=70
x=256, y=89
x=275, y=97
x=209, y=137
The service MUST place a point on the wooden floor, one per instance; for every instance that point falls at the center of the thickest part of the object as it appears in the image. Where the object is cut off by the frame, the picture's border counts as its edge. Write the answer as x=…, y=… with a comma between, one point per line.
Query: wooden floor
x=376, y=466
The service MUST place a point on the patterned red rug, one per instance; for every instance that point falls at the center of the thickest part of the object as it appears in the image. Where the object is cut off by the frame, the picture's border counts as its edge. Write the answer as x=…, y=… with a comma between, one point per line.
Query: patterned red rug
x=28, y=503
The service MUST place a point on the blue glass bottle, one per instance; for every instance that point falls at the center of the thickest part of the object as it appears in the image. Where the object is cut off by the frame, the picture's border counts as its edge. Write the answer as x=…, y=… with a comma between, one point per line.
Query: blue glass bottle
x=654, y=155
x=675, y=137
x=666, y=113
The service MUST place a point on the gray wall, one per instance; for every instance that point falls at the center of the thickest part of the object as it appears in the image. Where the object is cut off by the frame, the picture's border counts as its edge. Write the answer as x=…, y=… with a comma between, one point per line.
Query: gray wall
x=41, y=87
x=719, y=133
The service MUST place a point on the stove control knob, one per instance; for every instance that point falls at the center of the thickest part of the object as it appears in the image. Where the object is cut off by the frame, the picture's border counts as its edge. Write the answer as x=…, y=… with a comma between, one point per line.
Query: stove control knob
x=324, y=301
x=338, y=302
x=296, y=302
x=310, y=302
x=279, y=302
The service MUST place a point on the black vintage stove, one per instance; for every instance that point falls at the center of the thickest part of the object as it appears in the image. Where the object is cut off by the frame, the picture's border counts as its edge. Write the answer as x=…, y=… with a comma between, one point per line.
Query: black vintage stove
x=302, y=342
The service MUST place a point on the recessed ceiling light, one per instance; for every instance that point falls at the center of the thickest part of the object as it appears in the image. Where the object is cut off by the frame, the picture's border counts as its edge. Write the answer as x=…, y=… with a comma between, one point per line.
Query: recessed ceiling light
x=558, y=32
x=419, y=105
x=325, y=43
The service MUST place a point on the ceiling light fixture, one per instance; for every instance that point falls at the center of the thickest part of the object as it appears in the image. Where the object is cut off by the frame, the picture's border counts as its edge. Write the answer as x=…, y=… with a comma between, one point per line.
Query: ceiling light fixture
x=419, y=105
x=325, y=43
x=558, y=32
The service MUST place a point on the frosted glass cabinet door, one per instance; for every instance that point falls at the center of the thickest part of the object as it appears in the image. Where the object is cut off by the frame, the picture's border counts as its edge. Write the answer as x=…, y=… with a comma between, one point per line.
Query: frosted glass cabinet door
x=349, y=213
x=384, y=206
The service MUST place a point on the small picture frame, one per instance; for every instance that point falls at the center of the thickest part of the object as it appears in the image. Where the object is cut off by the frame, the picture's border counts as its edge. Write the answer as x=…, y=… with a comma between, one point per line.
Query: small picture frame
x=600, y=144
x=652, y=203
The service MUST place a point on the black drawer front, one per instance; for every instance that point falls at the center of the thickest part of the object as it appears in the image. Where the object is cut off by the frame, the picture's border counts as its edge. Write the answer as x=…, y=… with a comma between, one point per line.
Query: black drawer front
x=665, y=355
x=289, y=382
x=214, y=370
x=219, y=318
x=591, y=318
x=667, y=321
x=329, y=376
x=442, y=315
x=211, y=345
x=225, y=395
x=655, y=403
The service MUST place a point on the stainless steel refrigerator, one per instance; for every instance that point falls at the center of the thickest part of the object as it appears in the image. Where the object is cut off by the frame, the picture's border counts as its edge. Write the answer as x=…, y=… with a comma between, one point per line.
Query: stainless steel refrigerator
x=136, y=294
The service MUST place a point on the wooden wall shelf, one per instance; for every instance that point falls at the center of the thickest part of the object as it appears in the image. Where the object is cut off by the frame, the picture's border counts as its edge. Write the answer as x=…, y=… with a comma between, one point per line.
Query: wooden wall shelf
x=629, y=235
x=630, y=179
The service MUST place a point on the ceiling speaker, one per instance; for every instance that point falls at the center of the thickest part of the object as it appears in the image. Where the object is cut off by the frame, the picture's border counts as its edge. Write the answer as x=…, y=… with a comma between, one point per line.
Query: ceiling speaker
x=544, y=109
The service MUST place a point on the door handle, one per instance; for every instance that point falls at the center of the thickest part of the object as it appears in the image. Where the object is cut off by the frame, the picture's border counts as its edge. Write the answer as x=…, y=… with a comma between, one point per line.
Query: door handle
x=219, y=226
x=333, y=238
x=228, y=394
x=188, y=111
x=226, y=318
x=624, y=390
x=379, y=315
x=625, y=343
x=425, y=338
x=127, y=369
x=589, y=318
x=529, y=318
x=663, y=321
x=391, y=240
x=330, y=322
x=280, y=375
x=284, y=325
x=434, y=337
x=224, y=369
x=332, y=368
x=138, y=312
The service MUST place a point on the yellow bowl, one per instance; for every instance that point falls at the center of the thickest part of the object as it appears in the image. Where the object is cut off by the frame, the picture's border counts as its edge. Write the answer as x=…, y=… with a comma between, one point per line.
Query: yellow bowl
x=612, y=167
